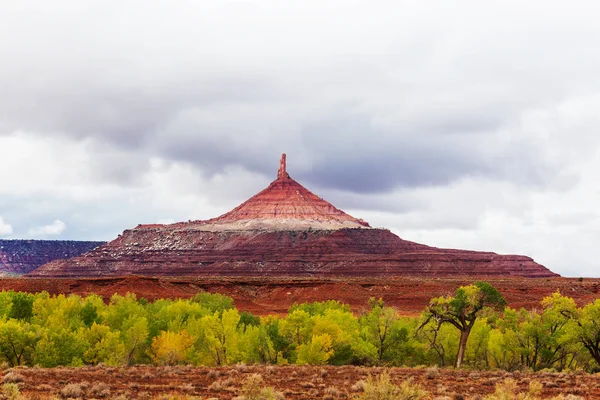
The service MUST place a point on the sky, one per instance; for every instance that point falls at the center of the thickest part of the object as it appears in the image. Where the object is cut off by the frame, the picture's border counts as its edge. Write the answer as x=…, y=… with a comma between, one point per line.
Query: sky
x=462, y=124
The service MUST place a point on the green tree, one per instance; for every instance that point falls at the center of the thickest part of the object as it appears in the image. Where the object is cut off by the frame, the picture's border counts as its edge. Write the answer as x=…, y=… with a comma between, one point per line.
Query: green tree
x=462, y=310
x=92, y=307
x=17, y=342
x=221, y=336
x=22, y=306
x=60, y=346
x=121, y=309
x=213, y=302
x=297, y=327
x=381, y=329
x=134, y=334
x=103, y=346
x=587, y=329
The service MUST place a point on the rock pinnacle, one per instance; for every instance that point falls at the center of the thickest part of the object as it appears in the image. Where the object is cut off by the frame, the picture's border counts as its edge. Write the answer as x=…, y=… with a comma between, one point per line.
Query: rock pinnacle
x=282, y=173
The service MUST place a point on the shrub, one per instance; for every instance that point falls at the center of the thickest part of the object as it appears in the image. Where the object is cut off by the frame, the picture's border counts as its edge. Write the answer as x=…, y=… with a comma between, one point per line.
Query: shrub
x=331, y=393
x=11, y=391
x=221, y=385
x=99, y=390
x=253, y=389
x=509, y=390
x=432, y=373
x=13, y=377
x=72, y=391
x=382, y=388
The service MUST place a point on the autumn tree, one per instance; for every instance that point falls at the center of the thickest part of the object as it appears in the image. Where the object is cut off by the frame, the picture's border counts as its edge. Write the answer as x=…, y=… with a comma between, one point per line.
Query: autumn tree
x=171, y=348
x=315, y=352
x=462, y=310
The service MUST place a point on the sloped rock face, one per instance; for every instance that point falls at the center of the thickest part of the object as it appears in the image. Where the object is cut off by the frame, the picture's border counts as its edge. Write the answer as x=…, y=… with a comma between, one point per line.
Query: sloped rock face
x=23, y=256
x=344, y=252
x=285, y=230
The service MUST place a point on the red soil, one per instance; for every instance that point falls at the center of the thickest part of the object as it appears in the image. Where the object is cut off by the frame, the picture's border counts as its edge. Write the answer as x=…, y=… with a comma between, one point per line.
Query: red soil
x=275, y=295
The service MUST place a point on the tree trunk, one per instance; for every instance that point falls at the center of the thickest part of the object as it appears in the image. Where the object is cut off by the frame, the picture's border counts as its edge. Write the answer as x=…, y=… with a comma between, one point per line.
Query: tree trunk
x=462, y=345
x=594, y=351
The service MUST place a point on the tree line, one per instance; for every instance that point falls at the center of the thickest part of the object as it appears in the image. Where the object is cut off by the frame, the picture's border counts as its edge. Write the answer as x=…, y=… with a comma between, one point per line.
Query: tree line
x=471, y=328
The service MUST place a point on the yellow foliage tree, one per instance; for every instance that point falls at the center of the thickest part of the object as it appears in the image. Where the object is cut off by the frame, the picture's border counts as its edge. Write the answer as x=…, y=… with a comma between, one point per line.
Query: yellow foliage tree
x=318, y=351
x=171, y=348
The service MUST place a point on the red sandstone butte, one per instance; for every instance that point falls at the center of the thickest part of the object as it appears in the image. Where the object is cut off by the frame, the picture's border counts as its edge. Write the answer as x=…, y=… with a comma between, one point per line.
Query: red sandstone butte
x=285, y=230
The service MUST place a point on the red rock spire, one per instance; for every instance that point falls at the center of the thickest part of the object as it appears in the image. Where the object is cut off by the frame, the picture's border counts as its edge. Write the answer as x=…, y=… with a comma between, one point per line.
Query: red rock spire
x=282, y=173
x=287, y=204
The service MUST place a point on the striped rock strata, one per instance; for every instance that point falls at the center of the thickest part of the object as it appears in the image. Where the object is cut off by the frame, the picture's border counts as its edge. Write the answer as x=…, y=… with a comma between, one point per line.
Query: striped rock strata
x=22, y=256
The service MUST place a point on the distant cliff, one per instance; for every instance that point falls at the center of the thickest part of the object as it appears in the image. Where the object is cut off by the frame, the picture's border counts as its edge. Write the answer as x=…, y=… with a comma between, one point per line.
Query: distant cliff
x=23, y=256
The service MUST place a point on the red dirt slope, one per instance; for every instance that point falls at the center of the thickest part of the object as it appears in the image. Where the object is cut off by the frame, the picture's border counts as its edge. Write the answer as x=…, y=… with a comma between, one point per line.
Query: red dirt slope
x=275, y=295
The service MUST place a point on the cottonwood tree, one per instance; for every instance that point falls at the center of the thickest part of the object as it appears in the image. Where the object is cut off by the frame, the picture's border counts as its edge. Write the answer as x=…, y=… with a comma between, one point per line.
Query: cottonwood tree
x=462, y=310
x=381, y=328
x=17, y=342
x=587, y=330
x=316, y=352
x=171, y=348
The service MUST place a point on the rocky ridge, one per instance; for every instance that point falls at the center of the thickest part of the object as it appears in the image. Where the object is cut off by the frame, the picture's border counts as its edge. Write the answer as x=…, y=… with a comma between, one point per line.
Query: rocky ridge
x=22, y=256
x=285, y=230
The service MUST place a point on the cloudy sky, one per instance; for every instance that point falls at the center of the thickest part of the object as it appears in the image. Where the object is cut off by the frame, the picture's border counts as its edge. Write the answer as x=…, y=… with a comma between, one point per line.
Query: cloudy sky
x=462, y=124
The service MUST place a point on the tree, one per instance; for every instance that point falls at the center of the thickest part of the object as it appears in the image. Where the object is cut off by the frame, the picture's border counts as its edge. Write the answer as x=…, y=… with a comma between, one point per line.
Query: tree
x=22, y=306
x=441, y=341
x=557, y=320
x=171, y=348
x=103, y=346
x=587, y=331
x=60, y=346
x=213, y=302
x=17, y=342
x=462, y=309
x=317, y=351
x=297, y=327
x=221, y=336
x=134, y=335
x=381, y=328
x=90, y=308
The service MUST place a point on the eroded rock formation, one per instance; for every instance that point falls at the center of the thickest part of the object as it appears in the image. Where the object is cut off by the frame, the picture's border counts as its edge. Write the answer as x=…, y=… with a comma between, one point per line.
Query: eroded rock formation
x=23, y=256
x=284, y=230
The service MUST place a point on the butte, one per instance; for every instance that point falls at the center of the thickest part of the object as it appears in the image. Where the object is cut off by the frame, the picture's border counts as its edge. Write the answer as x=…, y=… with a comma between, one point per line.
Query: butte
x=285, y=230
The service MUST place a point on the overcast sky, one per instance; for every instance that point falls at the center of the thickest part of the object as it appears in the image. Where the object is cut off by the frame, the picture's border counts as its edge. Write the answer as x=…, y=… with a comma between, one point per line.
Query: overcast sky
x=464, y=124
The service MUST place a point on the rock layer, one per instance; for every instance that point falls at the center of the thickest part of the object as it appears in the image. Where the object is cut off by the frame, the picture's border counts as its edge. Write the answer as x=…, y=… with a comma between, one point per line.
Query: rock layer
x=23, y=256
x=285, y=230
x=155, y=251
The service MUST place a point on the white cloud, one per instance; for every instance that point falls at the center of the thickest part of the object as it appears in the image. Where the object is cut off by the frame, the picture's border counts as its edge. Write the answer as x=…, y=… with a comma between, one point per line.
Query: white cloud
x=54, y=229
x=6, y=229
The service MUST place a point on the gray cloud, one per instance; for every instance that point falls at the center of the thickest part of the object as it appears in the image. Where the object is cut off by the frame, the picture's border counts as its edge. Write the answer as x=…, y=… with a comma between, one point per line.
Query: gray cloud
x=180, y=112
